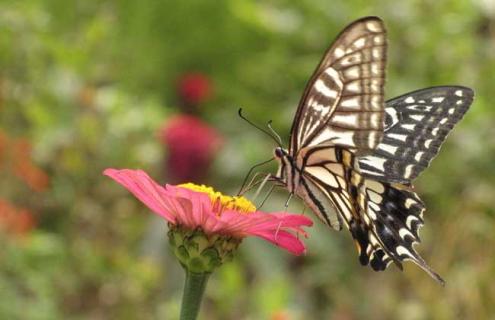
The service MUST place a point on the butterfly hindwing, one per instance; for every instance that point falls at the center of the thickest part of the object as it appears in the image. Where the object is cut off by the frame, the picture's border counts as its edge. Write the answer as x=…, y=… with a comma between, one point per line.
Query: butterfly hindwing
x=325, y=184
x=391, y=216
x=343, y=102
x=319, y=199
x=383, y=218
x=416, y=124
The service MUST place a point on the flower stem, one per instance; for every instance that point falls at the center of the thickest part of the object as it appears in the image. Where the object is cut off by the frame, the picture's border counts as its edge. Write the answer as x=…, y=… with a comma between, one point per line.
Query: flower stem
x=194, y=288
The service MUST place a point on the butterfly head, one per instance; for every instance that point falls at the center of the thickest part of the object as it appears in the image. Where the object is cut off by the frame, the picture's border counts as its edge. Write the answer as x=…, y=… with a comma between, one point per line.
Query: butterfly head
x=280, y=153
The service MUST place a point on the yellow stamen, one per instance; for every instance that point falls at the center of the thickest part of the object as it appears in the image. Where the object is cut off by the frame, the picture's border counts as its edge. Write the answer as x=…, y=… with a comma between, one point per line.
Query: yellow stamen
x=239, y=204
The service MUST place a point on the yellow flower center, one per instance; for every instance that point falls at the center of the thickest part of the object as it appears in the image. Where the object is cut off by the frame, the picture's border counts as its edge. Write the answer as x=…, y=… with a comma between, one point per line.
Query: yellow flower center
x=221, y=201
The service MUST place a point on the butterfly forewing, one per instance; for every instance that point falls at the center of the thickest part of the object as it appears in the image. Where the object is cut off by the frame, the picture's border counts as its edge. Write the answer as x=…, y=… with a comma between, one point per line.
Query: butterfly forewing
x=416, y=124
x=343, y=101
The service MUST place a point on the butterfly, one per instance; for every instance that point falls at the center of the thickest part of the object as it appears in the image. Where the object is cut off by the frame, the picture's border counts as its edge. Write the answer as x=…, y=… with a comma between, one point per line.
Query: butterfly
x=352, y=156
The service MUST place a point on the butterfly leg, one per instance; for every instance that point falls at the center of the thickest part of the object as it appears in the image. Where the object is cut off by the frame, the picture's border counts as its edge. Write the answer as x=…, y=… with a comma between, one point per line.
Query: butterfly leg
x=252, y=183
x=261, y=186
x=278, y=229
x=266, y=197
x=242, y=190
x=286, y=206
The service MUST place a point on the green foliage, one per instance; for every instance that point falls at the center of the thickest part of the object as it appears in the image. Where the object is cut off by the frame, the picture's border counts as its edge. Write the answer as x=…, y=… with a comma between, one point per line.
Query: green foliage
x=89, y=83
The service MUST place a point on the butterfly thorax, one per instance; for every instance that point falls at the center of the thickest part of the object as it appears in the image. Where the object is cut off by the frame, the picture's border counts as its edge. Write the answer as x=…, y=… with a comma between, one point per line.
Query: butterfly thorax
x=288, y=173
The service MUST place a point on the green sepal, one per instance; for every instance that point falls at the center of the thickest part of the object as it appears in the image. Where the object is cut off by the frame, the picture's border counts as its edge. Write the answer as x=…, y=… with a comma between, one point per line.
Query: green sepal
x=198, y=252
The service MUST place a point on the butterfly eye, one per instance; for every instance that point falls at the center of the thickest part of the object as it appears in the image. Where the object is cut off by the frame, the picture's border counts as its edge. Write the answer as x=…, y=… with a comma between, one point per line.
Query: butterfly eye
x=279, y=152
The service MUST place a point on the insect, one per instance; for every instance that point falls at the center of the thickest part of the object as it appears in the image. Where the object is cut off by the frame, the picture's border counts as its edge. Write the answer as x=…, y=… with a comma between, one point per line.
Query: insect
x=352, y=157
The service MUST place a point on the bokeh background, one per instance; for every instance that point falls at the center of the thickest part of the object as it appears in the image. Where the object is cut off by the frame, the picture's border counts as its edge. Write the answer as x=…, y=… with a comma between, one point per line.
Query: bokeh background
x=86, y=85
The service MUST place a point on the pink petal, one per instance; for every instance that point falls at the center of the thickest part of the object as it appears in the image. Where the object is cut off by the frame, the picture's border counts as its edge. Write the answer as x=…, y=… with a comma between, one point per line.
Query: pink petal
x=199, y=211
x=285, y=221
x=145, y=189
x=284, y=240
x=271, y=227
x=293, y=220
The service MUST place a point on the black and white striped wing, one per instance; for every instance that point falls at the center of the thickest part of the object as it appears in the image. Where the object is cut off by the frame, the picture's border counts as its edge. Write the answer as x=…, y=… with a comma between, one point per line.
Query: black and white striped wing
x=390, y=216
x=325, y=184
x=384, y=218
x=416, y=124
x=342, y=104
x=322, y=198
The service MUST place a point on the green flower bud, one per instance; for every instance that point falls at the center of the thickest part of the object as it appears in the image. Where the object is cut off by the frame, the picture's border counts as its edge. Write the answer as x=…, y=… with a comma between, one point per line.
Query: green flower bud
x=198, y=252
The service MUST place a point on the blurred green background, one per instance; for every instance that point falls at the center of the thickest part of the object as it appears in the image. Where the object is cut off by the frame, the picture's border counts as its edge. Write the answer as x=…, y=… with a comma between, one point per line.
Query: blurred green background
x=86, y=85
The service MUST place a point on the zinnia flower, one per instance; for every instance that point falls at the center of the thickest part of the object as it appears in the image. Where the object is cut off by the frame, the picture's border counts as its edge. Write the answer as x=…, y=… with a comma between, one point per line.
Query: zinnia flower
x=206, y=227
x=192, y=145
x=192, y=207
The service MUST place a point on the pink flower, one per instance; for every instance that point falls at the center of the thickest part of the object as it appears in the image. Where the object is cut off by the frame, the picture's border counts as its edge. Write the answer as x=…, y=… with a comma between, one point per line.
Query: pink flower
x=192, y=146
x=191, y=206
x=194, y=88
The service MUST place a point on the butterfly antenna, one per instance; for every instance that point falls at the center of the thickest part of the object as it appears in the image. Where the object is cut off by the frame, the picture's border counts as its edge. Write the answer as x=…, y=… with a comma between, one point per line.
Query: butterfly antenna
x=274, y=133
x=259, y=128
x=251, y=171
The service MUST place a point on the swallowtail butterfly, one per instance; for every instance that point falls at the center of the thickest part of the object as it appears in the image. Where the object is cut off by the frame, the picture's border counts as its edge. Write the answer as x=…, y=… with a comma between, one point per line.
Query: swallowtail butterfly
x=351, y=159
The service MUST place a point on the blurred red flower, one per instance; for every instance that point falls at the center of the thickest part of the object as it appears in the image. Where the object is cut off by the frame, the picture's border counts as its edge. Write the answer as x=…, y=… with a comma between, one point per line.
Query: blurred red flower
x=280, y=315
x=15, y=157
x=194, y=88
x=25, y=169
x=192, y=145
x=15, y=220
